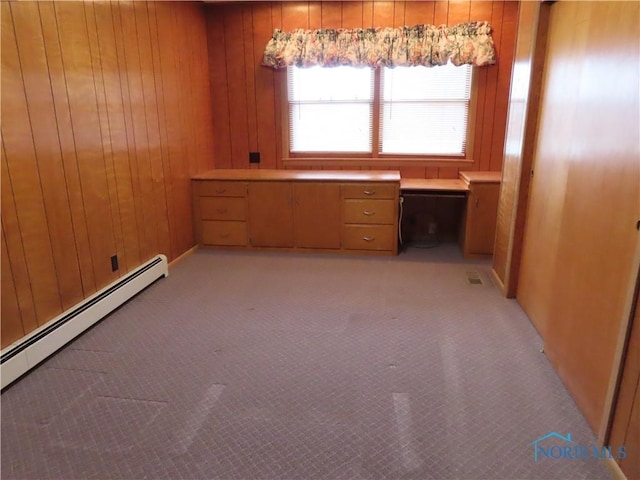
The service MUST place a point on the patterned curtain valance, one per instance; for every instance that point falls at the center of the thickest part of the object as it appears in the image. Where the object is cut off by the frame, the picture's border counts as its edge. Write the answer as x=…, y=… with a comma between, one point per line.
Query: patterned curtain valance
x=428, y=45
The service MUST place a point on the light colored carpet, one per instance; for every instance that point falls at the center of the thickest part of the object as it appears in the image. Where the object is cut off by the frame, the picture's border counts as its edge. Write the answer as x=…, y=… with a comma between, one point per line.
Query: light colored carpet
x=293, y=366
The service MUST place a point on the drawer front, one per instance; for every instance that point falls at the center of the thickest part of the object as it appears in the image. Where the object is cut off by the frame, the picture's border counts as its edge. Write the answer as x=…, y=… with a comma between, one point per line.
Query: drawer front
x=369, y=190
x=222, y=208
x=224, y=233
x=215, y=188
x=369, y=237
x=369, y=211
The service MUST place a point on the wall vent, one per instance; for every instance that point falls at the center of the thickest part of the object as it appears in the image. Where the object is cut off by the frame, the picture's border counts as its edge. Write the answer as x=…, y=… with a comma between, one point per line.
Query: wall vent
x=21, y=356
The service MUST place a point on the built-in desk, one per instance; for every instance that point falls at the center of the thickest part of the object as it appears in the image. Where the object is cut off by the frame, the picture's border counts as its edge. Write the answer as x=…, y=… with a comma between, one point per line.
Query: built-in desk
x=480, y=191
x=330, y=211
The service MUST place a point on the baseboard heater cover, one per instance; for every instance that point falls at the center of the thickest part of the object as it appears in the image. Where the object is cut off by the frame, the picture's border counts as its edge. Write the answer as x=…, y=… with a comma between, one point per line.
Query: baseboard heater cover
x=20, y=357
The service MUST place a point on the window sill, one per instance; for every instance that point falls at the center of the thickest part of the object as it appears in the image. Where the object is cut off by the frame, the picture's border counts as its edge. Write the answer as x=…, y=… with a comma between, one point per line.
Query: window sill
x=375, y=162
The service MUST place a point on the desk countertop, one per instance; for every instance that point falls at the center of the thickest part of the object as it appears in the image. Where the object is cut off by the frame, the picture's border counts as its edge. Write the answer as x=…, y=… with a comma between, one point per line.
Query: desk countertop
x=307, y=175
x=434, y=184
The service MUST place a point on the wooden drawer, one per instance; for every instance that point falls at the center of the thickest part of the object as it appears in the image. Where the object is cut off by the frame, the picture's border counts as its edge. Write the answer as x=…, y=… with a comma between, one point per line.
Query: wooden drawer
x=224, y=233
x=222, y=189
x=368, y=237
x=222, y=208
x=369, y=190
x=369, y=211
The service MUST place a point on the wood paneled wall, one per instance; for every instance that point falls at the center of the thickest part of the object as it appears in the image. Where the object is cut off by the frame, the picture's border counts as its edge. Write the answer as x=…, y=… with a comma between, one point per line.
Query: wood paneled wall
x=246, y=96
x=581, y=235
x=522, y=126
x=105, y=116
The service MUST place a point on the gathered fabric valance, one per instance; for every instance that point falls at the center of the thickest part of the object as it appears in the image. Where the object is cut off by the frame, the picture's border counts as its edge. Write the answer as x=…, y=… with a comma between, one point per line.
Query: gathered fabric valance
x=429, y=45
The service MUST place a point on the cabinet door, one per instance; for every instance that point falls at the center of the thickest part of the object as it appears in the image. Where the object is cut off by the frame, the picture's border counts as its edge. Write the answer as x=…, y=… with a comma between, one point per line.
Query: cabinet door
x=482, y=209
x=317, y=215
x=270, y=214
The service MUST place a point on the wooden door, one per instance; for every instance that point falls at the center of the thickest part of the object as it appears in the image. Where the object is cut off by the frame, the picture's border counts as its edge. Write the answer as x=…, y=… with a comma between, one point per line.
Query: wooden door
x=317, y=215
x=625, y=428
x=581, y=232
x=270, y=214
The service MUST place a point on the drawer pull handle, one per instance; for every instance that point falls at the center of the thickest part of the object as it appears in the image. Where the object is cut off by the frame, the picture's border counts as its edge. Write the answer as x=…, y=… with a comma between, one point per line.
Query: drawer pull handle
x=221, y=190
x=368, y=239
x=221, y=210
x=368, y=213
x=369, y=192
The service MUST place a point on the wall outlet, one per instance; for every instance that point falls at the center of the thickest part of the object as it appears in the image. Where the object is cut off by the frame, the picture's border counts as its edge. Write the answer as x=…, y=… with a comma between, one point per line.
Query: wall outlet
x=254, y=157
x=114, y=263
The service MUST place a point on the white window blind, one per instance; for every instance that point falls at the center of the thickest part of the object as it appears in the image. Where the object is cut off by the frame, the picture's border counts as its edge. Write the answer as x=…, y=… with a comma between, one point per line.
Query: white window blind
x=330, y=109
x=424, y=110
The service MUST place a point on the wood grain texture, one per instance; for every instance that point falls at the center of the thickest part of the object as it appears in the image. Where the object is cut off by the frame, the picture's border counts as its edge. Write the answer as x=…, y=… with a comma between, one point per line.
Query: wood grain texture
x=246, y=98
x=522, y=128
x=625, y=428
x=99, y=141
x=581, y=228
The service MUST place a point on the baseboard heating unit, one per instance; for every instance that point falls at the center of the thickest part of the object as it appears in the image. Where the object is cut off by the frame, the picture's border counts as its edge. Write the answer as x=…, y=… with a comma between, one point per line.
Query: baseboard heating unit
x=21, y=356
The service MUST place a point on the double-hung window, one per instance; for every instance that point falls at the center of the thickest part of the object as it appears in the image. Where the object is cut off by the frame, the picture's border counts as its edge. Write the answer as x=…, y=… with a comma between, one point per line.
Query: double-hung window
x=385, y=113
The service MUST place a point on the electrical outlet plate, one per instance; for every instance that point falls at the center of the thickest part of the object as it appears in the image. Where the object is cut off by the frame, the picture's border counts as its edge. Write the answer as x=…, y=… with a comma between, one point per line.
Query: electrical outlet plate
x=254, y=157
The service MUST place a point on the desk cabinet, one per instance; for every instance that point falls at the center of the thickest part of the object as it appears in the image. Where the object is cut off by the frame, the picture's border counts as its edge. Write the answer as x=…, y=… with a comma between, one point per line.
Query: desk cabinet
x=479, y=224
x=370, y=216
x=355, y=212
x=221, y=213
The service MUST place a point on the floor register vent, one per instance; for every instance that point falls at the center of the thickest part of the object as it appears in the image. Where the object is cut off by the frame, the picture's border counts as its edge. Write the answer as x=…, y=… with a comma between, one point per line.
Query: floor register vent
x=474, y=278
x=21, y=356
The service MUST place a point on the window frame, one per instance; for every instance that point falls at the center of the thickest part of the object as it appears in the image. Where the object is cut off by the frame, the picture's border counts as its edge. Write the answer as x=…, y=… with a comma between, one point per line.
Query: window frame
x=375, y=159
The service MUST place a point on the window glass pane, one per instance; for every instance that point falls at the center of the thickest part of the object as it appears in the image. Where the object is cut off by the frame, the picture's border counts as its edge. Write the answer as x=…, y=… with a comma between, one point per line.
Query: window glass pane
x=330, y=109
x=424, y=110
x=436, y=128
x=341, y=127
x=446, y=82
x=330, y=84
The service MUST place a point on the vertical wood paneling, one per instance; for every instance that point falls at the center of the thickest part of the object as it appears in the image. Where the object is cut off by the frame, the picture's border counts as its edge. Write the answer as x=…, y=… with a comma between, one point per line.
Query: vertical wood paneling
x=58, y=87
x=237, y=87
x=219, y=90
x=151, y=98
x=264, y=81
x=11, y=328
x=16, y=265
x=31, y=226
x=30, y=42
x=506, y=52
x=120, y=161
x=250, y=75
x=76, y=59
x=105, y=130
x=351, y=14
x=101, y=132
x=331, y=15
x=241, y=90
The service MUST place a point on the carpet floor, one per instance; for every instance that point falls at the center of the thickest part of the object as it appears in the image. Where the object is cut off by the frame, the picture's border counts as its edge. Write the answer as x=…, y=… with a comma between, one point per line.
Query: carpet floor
x=244, y=365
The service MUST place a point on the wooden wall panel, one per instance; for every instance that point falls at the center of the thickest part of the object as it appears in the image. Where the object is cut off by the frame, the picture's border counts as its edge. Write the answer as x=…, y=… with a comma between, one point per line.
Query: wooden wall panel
x=581, y=232
x=524, y=101
x=243, y=91
x=101, y=132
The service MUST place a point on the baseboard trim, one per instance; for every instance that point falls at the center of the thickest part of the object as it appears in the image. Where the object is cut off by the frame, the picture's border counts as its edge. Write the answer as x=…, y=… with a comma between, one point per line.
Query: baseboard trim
x=181, y=257
x=615, y=469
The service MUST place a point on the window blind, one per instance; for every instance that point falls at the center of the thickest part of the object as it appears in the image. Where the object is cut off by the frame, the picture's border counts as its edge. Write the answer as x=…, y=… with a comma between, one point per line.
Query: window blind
x=424, y=110
x=330, y=109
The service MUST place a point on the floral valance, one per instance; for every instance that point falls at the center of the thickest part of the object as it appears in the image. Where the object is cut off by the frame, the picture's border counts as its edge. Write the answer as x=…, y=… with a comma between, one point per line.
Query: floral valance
x=428, y=45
